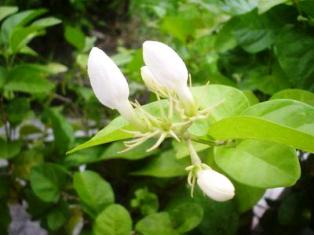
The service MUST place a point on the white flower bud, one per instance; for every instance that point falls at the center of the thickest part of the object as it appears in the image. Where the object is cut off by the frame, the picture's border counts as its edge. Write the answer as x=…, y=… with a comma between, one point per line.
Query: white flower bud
x=169, y=70
x=151, y=82
x=215, y=185
x=109, y=84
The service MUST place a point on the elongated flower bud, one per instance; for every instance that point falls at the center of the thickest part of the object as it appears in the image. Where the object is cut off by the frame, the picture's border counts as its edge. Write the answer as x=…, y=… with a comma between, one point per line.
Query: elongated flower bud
x=215, y=185
x=169, y=70
x=151, y=82
x=109, y=84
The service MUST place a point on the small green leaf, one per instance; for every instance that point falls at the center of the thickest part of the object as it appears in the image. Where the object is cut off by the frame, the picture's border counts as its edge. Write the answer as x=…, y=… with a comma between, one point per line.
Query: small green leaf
x=146, y=201
x=57, y=217
x=75, y=37
x=94, y=192
x=156, y=224
x=47, y=181
x=114, y=220
x=46, y=22
x=259, y=163
x=10, y=149
x=265, y=5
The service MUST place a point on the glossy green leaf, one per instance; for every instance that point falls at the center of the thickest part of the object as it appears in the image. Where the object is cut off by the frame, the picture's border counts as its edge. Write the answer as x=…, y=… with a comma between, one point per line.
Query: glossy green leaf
x=295, y=94
x=114, y=220
x=5, y=11
x=47, y=181
x=164, y=165
x=156, y=224
x=282, y=121
x=259, y=163
x=94, y=192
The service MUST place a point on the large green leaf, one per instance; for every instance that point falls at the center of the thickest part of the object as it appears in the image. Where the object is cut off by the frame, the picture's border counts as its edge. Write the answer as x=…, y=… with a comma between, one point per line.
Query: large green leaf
x=282, y=121
x=247, y=196
x=26, y=78
x=156, y=224
x=259, y=163
x=47, y=181
x=295, y=94
x=94, y=192
x=165, y=165
x=114, y=220
x=6, y=11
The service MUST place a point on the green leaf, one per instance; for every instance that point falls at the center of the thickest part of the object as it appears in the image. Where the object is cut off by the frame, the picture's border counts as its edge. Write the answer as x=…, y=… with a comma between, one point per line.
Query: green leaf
x=25, y=161
x=94, y=192
x=295, y=94
x=282, y=121
x=295, y=53
x=46, y=22
x=156, y=224
x=21, y=36
x=239, y=7
x=146, y=201
x=247, y=197
x=75, y=37
x=254, y=33
x=10, y=149
x=17, y=110
x=62, y=130
x=26, y=78
x=47, y=181
x=186, y=216
x=6, y=11
x=114, y=220
x=164, y=165
x=19, y=19
x=259, y=163
x=265, y=5
x=57, y=217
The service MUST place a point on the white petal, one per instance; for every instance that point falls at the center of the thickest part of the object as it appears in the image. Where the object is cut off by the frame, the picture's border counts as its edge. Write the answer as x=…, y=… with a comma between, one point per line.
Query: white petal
x=149, y=79
x=107, y=81
x=215, y=185
x=165, y=64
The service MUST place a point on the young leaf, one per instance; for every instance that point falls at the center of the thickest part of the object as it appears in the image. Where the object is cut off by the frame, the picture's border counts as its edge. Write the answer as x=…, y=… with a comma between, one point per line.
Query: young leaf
x=114, y=220
x=6, y=11
x=259, y=163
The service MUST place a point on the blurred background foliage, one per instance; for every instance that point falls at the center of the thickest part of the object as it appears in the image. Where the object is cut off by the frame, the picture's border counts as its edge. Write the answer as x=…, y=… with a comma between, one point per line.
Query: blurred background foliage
x=263, y=47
